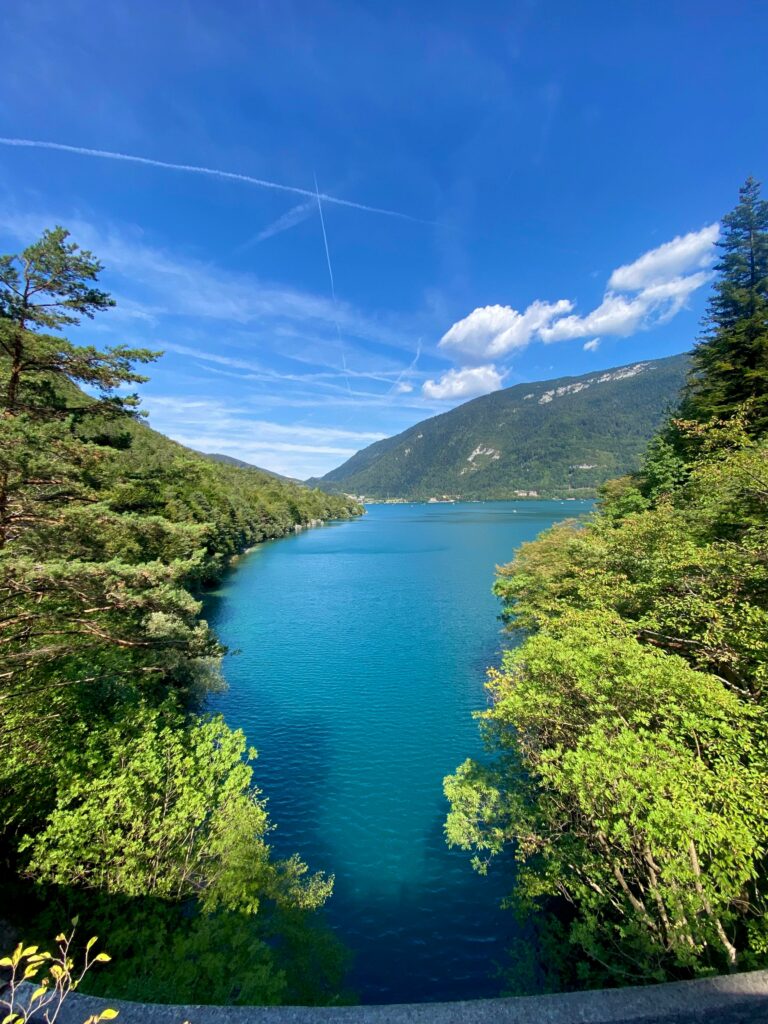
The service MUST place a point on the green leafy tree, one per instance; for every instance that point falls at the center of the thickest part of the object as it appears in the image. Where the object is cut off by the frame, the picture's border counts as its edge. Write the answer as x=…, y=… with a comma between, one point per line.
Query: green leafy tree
x=688, y=571
x=152, y=809
x=633, y=713
x=160, y=839
x=639, y=798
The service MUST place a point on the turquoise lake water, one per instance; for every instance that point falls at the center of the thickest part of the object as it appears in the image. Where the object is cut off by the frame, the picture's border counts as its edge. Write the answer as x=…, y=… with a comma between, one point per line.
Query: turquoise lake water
x=362, y=654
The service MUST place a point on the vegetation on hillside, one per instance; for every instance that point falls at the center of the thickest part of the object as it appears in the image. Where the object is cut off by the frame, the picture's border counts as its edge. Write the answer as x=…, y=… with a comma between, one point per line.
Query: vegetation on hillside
x=228, y=460
x=558, y=438
x=627, y=735
x=119, y=800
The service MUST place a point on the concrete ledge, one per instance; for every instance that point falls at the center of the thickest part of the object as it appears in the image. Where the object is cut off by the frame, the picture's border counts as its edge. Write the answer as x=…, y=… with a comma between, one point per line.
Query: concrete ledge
x=733, y=999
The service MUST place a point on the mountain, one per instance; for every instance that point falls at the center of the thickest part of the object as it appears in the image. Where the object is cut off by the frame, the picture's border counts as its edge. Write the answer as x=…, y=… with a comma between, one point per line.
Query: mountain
x=554, y=438
x=228, y=460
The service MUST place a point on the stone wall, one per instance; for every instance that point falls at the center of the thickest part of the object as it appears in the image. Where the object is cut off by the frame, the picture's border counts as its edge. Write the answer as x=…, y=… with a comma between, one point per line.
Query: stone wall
x=734, y=999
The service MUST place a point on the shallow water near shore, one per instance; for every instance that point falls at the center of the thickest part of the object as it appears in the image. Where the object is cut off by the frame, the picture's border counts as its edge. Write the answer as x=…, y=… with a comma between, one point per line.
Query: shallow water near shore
x=362, y=654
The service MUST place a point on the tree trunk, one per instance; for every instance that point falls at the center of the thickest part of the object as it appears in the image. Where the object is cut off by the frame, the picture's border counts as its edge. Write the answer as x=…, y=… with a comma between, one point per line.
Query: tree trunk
x=14, y=378
x=728, y=946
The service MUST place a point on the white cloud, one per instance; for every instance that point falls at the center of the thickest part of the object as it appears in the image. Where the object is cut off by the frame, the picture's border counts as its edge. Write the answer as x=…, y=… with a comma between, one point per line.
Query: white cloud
x=493, y=331
x=640, y=295
x=592, y=346
x=465, y=383
x=223, y=444
x=294, y=449
x=337, y=382
x=623, y=315
x=677, y=290
x=616, y=314
x=186, y=410
x=176, y=286
x=683, y=254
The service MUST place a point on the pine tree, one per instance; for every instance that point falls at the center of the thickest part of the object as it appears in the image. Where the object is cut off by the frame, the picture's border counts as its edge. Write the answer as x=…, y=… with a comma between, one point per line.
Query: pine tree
x=49, y=286
x=730, y=362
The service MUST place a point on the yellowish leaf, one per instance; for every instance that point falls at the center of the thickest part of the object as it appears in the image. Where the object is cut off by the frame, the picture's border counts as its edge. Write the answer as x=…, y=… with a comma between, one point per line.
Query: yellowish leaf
x=103, y=958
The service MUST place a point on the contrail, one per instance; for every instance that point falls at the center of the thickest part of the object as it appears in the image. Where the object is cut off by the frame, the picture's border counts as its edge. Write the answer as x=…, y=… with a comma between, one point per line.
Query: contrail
x=325, y=241
x=212, y=172
x=408, y=369
x=287, y=220
x=333, y=286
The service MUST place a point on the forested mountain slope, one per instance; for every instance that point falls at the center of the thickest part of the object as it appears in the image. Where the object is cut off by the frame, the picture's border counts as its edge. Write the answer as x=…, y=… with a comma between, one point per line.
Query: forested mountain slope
x=237, y=505
x=560, y=438
x=229, y=460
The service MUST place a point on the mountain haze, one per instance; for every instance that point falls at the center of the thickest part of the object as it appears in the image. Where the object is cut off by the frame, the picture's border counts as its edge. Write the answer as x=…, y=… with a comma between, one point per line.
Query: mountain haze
x=229, y=460
x=557, y=438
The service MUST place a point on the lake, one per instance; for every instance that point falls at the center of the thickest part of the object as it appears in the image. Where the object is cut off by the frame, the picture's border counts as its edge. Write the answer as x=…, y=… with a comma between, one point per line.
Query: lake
x=361, y=653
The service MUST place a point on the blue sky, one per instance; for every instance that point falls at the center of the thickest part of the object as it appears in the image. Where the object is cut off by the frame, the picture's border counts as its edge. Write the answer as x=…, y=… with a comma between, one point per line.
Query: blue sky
x=554, y=174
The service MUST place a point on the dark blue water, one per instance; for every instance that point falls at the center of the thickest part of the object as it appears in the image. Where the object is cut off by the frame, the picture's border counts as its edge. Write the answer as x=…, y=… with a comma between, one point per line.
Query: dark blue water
x=362, y=654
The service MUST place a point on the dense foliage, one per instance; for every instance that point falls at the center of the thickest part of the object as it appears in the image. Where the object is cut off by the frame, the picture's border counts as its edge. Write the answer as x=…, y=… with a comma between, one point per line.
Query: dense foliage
x=117, y=797
x=731, y=361
x=628, y=766
x=559, y=438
